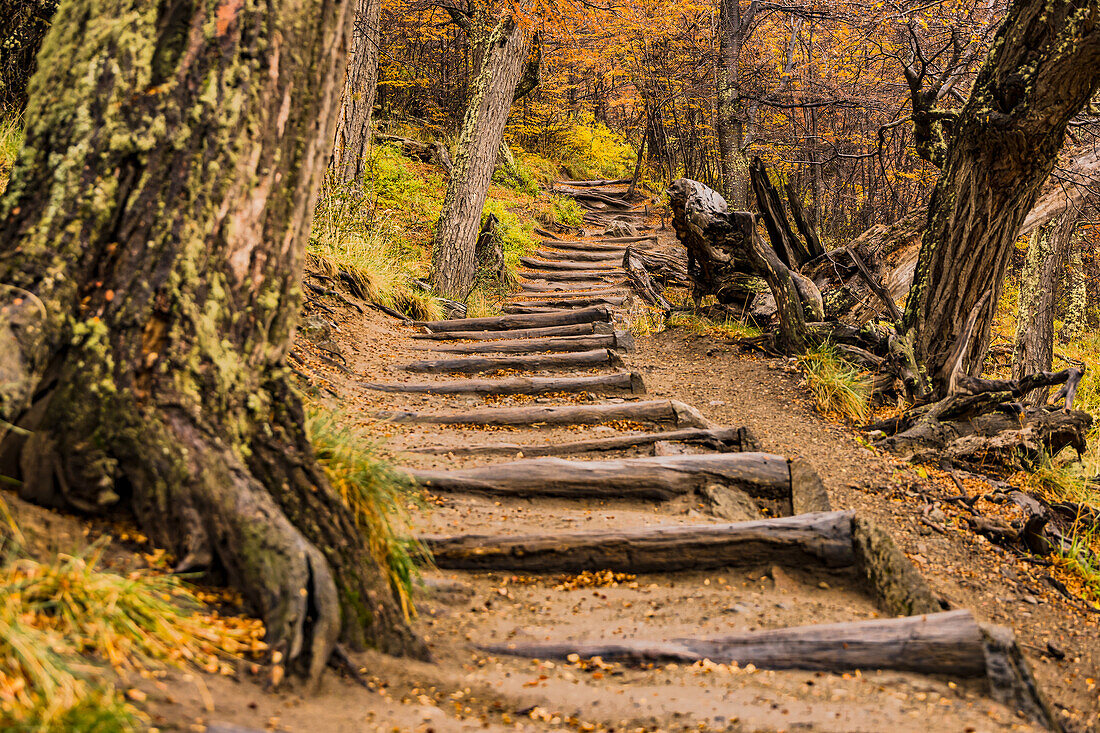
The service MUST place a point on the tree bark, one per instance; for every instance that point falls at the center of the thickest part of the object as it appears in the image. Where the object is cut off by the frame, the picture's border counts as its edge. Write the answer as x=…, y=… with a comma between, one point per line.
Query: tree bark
x=1043, y=69
x=733, y=27
x=1044, y=264
x=157, y=219
x=353, y=133
x=453, y=261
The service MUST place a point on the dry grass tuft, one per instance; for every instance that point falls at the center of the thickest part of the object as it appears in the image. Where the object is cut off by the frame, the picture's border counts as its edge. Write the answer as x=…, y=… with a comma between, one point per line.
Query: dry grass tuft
x=838, y=387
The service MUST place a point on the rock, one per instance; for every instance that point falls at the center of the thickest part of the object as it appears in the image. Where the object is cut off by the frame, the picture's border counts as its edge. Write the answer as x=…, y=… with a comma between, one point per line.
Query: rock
x=620, y=229
x=729, y=503
x=937, y=516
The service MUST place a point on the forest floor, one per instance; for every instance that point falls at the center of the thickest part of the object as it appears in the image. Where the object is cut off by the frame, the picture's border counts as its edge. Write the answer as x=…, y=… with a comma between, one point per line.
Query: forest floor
x=465, y=688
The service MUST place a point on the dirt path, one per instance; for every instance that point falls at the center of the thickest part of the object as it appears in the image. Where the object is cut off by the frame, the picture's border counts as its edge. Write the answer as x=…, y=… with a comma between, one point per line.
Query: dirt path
x=533, y=550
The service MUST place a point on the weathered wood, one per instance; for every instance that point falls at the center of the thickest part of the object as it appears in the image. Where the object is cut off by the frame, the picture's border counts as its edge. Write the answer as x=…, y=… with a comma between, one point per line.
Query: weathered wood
x=585, y=286
x=593, y=183
x=720, y=439
x=525, y=362
x=579, y=275
x=630, y=382
x=949, y=643
x=620, y=340
x=643, y=284
x=788, y=247
x=761, y=475
x=813, y=540
x=805, y=228
x=572, y=301
x=502, y=323
x=576, y=329
x=548, y=265
x=595, y=199
x=578, y=256
x=521, y=308
x=652, y=411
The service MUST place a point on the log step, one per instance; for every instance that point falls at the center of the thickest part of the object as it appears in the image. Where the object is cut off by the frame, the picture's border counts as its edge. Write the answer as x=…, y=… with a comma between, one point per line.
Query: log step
x=577, y=329
x=522, y=308
x=574, y=301
x=614, y=274
x=723, y=440
x=818, y=540
x=502, y=323
x=651, y=411
x=620, y=340
x=579, y=256
x=569, y=266
x=580, y=287
x=617, y=383
x=760, y=475
x=950, y=643
x=526, y=362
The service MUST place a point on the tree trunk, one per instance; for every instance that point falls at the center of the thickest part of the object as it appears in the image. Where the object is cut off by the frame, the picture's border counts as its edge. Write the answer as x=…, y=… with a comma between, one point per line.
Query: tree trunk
x=161, y=249
x=453, y=262
x=1043, y=69
x=1046, y=257
x=1076, y=296
x=732, y=29
x=353, y=134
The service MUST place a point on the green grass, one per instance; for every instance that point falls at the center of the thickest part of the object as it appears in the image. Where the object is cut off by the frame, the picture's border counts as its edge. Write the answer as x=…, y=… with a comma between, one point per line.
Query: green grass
x=567, y=211
x=375, y=492
x=838, y=387
x=703, y=326
x=353, y=238
x=11, y=140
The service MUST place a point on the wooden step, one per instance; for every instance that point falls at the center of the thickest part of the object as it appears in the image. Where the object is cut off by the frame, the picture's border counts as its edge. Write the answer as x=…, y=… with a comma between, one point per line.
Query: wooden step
x=502, y=323
x=951, y=643
x=617, y=383
x=579, y=256
x=723, y=440
x=563, y=275
x=760, y=475
x=525, y=362
x=546, y=265
x=571, y=301
x=576, y=329
x=808, y=540
x=620, y=340
x=650, y=411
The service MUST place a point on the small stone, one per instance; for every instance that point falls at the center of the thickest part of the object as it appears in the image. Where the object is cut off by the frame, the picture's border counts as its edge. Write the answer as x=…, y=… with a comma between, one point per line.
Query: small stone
x=1031, y=599
x=716, y=403
x=937, y=516
x=823, y=585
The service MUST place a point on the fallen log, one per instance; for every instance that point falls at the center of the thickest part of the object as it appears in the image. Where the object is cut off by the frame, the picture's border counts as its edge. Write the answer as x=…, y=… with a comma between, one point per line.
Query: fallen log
x=651, y=411
x=525, y=362
x=725, y=440
x=590, y=198
x=813, y=540
x=502, y=323
x=579, y=256
x=760, y=475
x=951, y=643
x=580, y=275
x=620, y=340
x=629, y=382
x=521, y=308
x=547, y=265
x=576, y=329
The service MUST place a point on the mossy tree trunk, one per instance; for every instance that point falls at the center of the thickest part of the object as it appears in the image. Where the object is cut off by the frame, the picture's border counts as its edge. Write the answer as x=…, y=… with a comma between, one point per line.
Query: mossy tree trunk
x=1046, y=257
x=453, y=262
x=353, y=131
x=1043, y=68
x=153, y=238
x=733, y=27
x=1077, y=298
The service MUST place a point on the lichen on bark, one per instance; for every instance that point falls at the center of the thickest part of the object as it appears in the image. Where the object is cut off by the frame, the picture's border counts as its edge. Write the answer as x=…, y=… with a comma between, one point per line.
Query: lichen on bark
x=159, y=212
